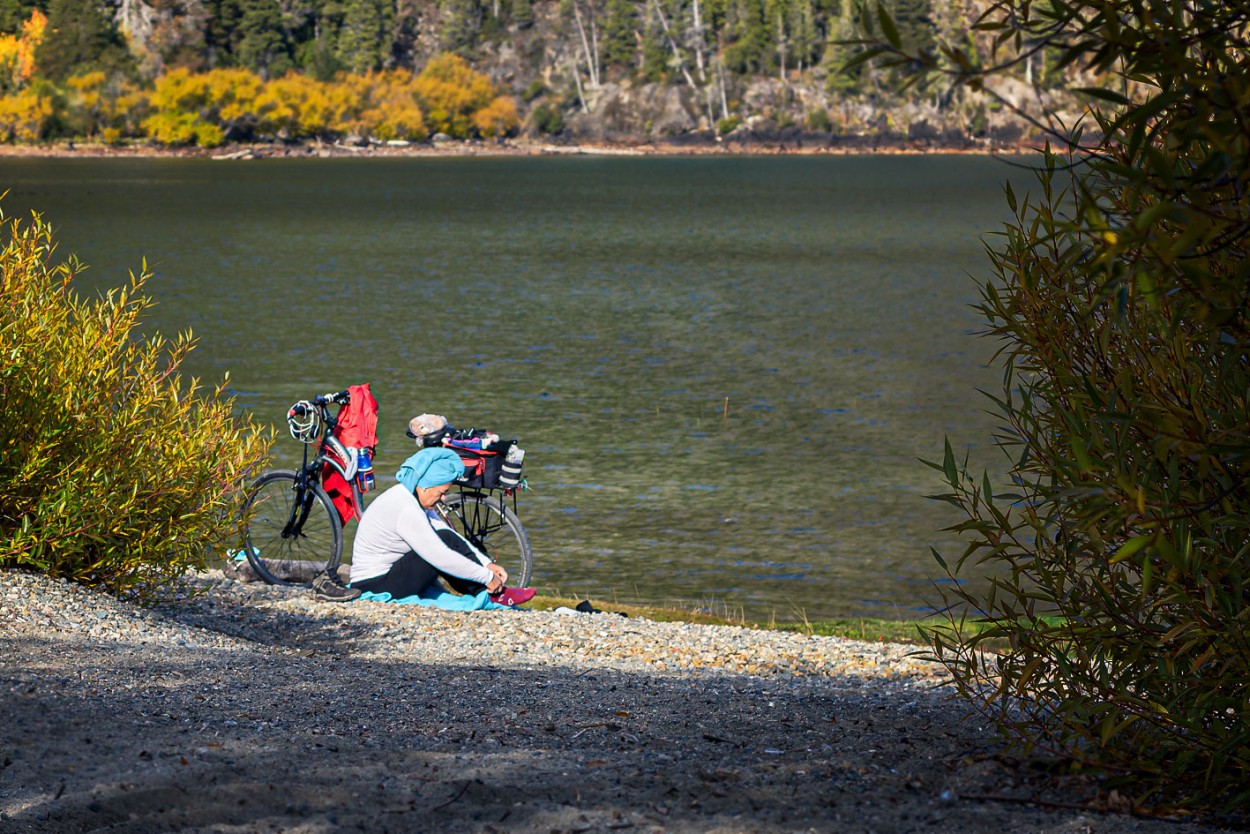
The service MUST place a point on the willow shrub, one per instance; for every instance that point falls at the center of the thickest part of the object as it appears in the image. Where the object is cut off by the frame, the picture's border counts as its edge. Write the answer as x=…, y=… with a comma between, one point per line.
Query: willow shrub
x=115, y=471
x=1119, y=555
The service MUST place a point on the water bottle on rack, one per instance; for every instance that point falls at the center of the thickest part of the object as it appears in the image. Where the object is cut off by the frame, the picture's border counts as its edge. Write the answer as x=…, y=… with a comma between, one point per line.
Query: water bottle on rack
x=510, y=472
x=364, y=470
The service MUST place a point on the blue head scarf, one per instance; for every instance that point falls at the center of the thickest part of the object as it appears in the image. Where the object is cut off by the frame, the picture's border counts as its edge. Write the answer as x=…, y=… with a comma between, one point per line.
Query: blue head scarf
x=430, y=468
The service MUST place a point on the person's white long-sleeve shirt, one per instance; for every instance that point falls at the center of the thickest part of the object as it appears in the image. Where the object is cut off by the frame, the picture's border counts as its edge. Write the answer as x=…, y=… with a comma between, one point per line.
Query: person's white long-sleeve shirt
x=395, y=523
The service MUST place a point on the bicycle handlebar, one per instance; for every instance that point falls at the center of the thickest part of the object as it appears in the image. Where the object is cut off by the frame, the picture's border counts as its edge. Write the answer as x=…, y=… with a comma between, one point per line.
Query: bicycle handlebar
x=339, y=397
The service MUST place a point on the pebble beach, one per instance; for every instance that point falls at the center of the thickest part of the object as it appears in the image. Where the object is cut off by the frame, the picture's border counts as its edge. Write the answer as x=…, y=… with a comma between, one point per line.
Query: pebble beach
x=242, y=707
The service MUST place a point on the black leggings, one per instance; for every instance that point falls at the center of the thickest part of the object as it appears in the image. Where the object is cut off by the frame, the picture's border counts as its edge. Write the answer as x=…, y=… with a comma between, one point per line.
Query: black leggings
x=410, y=574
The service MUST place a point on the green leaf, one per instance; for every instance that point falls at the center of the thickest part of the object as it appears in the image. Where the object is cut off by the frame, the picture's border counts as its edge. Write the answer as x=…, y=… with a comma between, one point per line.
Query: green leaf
x=862, y=58
x=1103, y=94
x=888, y=28
x=1130, y=547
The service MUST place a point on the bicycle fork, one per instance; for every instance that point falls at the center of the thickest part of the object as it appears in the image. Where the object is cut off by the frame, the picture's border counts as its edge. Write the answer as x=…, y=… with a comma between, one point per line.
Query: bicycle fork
x=300, y=507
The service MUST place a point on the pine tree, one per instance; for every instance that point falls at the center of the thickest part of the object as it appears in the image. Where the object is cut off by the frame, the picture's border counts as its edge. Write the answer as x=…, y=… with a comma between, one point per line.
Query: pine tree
x=619, y=34
x=655, y=52
x=261, y=47
x=458, y=26
x=365, y=37
x=748, y=37
x=522, y=14
x=14, y=12
x=80, y=38
x=914, y=21
x=804, y=34
x=221, y=33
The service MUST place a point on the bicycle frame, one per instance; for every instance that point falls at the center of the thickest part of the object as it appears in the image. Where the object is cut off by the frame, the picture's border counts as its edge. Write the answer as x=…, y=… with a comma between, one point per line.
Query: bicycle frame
x=330, y=451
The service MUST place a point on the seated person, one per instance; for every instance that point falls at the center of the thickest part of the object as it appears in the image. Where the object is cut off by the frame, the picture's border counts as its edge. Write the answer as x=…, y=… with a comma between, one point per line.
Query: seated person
x=403, y=545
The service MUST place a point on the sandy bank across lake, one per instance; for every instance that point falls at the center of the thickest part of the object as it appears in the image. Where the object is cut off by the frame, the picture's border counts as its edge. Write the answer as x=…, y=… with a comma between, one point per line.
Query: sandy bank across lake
x=726, y=146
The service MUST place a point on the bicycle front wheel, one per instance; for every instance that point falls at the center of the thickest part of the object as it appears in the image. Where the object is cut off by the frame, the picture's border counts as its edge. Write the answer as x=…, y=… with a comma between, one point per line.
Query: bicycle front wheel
x=494, y=529
x=293, y=531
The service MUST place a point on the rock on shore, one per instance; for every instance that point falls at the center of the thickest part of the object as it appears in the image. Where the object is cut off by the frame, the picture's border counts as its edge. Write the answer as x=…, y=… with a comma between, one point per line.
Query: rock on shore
x=250, y=708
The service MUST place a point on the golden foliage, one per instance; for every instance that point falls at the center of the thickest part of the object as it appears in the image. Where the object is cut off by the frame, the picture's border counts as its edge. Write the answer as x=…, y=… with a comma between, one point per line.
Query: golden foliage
x=17, y=52
x=497, y=118
x=388, y=106
x=452, y=93
x=298, y=107
x=207, y=109
x=117, y=471
x=24, y=116
x=98, y=105
x=200, y=109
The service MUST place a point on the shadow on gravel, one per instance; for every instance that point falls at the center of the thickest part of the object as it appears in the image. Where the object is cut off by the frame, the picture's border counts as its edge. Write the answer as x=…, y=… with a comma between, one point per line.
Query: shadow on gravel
x=117, y=737
x=303, y=632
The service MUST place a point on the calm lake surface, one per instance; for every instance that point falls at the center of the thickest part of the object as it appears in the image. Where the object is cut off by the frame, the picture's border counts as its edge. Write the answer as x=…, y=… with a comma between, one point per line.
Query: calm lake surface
x=723, y=370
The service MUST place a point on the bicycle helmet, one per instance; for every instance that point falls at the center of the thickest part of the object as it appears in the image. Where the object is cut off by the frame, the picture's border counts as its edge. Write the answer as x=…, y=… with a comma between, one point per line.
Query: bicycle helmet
x=427, y=429
x=304, y=421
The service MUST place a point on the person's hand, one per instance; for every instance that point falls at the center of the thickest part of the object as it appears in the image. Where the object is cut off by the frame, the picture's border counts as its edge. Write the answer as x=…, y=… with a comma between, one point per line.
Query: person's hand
x=501, y=578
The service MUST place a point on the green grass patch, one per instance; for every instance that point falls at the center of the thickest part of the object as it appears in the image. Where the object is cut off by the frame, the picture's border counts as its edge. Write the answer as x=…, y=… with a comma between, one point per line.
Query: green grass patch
x=871, y=630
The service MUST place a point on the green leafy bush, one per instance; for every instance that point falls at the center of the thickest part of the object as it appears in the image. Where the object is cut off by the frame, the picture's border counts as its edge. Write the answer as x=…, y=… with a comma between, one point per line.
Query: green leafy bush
x=533, y=91
x=548, y=119
x=1119, y=556
x=116, y=471
x=727, y=125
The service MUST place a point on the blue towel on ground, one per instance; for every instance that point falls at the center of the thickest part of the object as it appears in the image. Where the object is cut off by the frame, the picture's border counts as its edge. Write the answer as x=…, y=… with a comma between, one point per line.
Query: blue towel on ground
x=437, y=598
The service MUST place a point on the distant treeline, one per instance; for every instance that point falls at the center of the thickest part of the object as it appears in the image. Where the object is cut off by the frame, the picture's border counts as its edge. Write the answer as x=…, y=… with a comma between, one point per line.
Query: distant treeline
x=552, y=56
x=209, y=108
x=648, y=38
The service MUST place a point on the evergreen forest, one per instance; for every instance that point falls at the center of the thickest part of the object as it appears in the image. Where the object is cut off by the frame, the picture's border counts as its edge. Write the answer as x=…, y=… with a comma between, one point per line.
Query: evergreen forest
x=205, y=72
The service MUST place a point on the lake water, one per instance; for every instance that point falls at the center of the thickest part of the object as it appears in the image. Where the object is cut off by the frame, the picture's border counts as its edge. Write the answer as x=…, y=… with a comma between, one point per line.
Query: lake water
x=723, y=370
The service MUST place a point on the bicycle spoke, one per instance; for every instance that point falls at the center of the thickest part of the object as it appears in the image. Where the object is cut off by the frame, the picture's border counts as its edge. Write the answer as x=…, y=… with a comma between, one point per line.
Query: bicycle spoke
x=293, y=533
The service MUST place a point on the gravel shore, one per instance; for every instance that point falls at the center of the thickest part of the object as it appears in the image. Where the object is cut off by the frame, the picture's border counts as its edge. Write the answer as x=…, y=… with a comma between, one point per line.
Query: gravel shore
x=251, y=708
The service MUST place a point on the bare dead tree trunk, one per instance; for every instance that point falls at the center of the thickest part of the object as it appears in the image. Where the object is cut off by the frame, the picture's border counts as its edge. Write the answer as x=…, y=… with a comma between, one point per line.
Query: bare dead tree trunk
x=781, y=48
x=681, y=62
x=592, y=60
x=698, y=43
x=594, y=41
x=668, y=35
x=577, y=79
x=720, y=74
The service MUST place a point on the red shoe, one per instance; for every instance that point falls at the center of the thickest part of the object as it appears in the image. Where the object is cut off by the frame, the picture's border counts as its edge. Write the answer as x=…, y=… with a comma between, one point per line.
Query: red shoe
x=513, y=596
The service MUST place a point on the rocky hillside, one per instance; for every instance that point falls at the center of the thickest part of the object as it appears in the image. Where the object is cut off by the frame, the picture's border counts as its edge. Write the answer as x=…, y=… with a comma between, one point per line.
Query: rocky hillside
x=601, y=70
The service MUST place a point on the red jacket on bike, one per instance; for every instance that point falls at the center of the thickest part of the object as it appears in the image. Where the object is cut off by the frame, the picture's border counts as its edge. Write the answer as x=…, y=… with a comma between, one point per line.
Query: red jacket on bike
x=357, y=428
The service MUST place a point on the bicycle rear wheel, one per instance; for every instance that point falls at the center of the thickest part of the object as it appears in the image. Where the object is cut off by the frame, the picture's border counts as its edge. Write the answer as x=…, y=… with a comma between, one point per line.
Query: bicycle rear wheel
x=293, y=531
x=495, y=530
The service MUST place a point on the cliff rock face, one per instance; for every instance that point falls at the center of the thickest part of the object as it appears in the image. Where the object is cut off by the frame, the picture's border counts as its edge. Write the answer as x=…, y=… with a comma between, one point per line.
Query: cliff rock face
x=622, y=112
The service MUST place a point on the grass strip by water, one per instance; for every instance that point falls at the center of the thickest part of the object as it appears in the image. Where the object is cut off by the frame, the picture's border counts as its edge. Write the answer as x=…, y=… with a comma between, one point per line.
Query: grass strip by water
x=871, y=630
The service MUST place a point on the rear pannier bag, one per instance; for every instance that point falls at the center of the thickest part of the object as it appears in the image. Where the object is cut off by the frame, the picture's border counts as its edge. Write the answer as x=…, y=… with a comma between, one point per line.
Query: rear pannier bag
x=481, y=469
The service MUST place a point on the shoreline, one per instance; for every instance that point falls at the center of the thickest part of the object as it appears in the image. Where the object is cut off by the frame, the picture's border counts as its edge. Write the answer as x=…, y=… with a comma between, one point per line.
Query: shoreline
x=697, y=146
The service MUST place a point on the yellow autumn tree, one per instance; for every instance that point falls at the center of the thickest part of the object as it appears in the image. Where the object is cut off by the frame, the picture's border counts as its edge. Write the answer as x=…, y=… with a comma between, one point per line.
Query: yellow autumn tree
x=298, y=107
x=203, y=109
x=388, y=106
x=24, y=116
x=97, y=106
x=452, y=93
x=497, y=118
x=175, y=101
x=17, y=52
